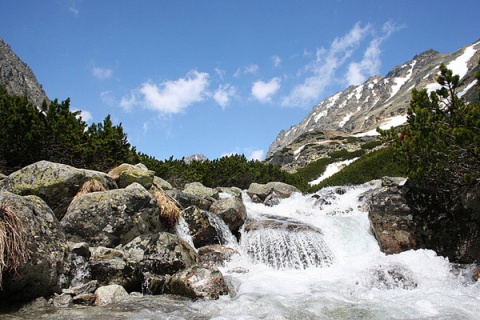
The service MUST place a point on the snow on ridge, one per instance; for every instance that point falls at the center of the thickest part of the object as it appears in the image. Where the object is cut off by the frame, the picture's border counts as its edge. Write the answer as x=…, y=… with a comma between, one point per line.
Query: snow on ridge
x=400, y=81
x=331, y=169
x=390, y=122
x=344, y=120
x=464, y=91
x=358, y=91
x=460, y=65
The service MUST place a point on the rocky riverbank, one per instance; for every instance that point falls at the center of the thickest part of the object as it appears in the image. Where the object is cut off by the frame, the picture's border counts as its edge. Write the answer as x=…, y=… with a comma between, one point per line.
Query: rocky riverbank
x=96, y=238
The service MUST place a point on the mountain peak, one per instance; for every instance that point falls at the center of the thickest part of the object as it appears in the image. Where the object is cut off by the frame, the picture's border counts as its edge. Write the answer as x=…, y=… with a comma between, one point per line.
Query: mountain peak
x=359, y=110
x=17, y=77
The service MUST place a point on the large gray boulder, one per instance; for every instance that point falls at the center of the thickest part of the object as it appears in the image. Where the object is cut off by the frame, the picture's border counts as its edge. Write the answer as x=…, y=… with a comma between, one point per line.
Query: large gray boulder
x=186, y=200
x=160, y=253
x=232, y=211
x=46, y=269
x=113, y=217
x=126, y=174
x=205, y=282
x=55, y=183
x=198, y=189
x=271, y=192
x=201, y=226
x=404, y=216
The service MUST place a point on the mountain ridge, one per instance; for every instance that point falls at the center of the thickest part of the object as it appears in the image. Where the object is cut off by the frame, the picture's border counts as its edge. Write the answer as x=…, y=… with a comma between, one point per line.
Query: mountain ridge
x=358, y=110
x=17, y=77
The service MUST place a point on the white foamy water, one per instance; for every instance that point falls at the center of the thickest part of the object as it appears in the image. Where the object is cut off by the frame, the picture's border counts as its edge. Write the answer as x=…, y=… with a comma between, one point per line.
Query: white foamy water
x=358, y=282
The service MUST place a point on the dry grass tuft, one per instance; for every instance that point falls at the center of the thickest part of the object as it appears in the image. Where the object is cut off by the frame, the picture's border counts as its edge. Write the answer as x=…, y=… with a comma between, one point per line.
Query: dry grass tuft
x=13, y=250
x=116, y=172
x=169, y=210
x=89, y=186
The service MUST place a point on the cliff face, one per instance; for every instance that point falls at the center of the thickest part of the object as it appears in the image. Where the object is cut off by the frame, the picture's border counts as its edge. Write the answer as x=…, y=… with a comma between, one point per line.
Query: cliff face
x=17, y=77
x=379, y=101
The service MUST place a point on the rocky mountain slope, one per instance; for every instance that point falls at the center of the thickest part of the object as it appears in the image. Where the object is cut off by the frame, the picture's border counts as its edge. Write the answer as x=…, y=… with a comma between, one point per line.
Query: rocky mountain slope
x=359, y=110
x=17, y=77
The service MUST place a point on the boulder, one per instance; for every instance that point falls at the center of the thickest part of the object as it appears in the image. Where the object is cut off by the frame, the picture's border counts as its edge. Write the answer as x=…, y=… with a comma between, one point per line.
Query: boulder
x=186, y=200
x=55, y=183
x=391, y=220
x=161, y=184
x=63, y=301
x=229, y=192
x=46, y=268
x=113, y=217
x=110, y=294
x=160, y=253
x=404, y=216
x=198, y=189
x=232, y=211
x=216, y=254
x=271, y=192
x=126, y=174
x=198, y=282
x=201, y=227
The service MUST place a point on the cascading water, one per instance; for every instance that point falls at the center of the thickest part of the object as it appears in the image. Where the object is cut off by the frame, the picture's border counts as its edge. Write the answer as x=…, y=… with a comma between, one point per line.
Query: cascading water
x=339, y=274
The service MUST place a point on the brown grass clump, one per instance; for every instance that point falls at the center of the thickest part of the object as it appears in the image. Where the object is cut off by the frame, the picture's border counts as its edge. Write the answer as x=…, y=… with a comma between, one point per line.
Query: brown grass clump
x=116, y=172
x=89, y=186
x=13, y=250
x=169, y=211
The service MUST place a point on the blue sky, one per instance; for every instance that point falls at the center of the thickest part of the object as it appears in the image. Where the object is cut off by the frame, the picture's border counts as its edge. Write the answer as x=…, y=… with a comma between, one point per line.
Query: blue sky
x=220, y=77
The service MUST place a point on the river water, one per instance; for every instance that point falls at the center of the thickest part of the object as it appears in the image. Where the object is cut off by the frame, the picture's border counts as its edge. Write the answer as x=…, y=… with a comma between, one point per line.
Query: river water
x=353, y=279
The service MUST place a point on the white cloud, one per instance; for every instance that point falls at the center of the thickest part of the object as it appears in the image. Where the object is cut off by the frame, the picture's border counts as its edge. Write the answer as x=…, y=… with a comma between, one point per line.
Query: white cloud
x=108, y=98
x=263, y=91
x=101, y=73
x=169, y=97
x=324, y=67
x=276, y=61
x=249, y=153
x=370, y=65
x=84, y=115
x=250, y=69
x=223, y=94
x=256, y=155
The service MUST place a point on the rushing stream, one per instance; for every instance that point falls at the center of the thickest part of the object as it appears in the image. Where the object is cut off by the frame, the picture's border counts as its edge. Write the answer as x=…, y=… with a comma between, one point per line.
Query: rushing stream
x=325, y=264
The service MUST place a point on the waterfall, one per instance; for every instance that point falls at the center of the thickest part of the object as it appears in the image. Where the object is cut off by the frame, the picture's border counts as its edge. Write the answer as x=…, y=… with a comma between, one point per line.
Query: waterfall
x=283, y=249
x=183, y=232
x=226, y=237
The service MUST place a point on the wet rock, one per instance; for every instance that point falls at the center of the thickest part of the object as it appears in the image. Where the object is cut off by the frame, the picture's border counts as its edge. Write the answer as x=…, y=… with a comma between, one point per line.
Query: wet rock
x=216, y=254
x=187, y=200
x=115, y=271
x=386, y=277
x=63, y=301
x=198, y=282
x=88, y=287
x=80, y=249
x=160, y=253
x=232, y=211
x=46, y=268
x=110, y=294
x=126, y=174
x=270, y=193
x=112, y=217
x=198, y=189
x=55, y=183
x=85, y=299
x=201, y=228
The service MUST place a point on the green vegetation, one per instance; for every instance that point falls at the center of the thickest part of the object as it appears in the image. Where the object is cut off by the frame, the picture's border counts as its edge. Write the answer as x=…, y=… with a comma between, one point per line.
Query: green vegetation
x=55, y=133
x=373, y=165
x=440, y=144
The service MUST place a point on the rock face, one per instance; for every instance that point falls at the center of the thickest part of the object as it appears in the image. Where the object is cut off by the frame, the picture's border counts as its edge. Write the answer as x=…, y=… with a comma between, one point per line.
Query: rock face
x=18, y=78
x=55, y=183
x=232, y=211
x=362, y=108
x=405, y=217
x=198, y=282
x=270, y=193
x=112, y=217
x=46, y=270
